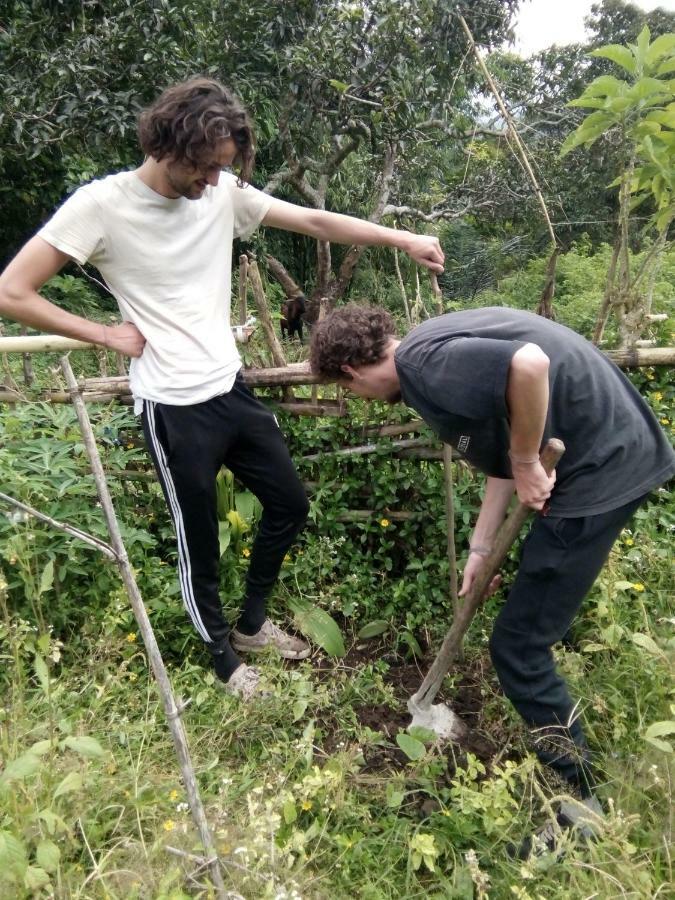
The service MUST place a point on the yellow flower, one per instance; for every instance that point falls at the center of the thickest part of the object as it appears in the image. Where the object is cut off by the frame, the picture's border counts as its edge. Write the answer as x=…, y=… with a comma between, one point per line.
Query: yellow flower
x=306, y=804
x=287, y=558
x=131, y=637
x=628, y=541
x=385, y=523
x=638, y=587
x=173, y=795
x=133, y=676
x=169, y=825
x=657, y=395
x=130, y=446
x=650, y=376
x=246, y=552
x=665, y=421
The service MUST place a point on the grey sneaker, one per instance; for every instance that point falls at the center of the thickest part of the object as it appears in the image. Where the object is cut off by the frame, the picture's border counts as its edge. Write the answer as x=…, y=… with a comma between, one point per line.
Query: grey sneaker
x=583, y=818
x=244, y=682
x=270, y=635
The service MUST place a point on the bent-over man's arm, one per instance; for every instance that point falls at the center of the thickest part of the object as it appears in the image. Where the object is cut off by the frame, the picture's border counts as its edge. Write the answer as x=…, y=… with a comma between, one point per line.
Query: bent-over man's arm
x=527, y=401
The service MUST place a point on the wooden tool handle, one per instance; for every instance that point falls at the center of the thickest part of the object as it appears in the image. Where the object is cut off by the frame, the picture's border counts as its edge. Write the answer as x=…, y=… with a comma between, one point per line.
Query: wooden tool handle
x=507, y=534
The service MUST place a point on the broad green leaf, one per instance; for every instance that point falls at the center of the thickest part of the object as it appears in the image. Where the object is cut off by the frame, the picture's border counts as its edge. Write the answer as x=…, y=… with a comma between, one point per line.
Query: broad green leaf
x=592, y=647
x=659, y=729
x=618, y=54
x=47, y=578
x=338, y=85
x=647, y=87
x=589, y=102
x=664, y=746
x=623, y=585
x=72, y=782
x=420, y=733
x=317, y=625
x=644, y=128
x=22, y=767
x=372, y=629
x=299, y=709
x=662, y=116
x=247, y=505
x=48, y=855
x=647, y=643
x=35, y=878
x=223, y=536
x=667, y=66
x=39, y=748
x=84, y=745
x=52, y=822
x=642, y=46
x=289, y=812
x=660, y=47
x=664, y=219
x=13, y=857
x=618, y=104
x=412, y=748
x=42, y=673
x=407, y=637
x=237, y=524
x=588, y=132
x=638, y=200
x=605, y=86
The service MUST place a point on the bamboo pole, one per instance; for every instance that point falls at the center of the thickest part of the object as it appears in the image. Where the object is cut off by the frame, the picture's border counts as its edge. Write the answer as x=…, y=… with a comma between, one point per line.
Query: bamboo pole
x=264, y=315
x=511, y=128
x=452, y=642
x=243, y=274
x=172, y=710
x=450, y=524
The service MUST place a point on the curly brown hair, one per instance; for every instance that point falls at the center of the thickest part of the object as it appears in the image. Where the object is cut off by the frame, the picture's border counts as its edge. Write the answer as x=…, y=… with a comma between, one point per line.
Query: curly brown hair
x=187, y=121
x=352, y=335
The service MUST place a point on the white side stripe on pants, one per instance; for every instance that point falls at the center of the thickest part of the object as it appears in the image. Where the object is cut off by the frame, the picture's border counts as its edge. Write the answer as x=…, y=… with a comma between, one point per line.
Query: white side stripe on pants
x=184, y=568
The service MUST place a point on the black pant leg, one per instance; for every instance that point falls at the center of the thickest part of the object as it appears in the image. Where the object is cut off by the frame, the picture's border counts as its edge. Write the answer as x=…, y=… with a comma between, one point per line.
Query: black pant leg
x=187, y=449
x=261, y=461
x=561, y=559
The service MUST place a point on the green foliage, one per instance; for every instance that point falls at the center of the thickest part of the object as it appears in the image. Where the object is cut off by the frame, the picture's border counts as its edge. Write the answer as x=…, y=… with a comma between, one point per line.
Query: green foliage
x=642, y=109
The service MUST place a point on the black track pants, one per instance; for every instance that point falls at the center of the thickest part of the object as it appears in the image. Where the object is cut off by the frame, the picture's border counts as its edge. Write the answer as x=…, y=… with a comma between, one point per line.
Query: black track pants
x=561, y=559
x=189, y=444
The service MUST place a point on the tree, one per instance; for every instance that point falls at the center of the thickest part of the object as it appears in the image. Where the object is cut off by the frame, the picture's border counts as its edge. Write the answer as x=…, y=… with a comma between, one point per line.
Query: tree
x=641, y=109
x=355, y=103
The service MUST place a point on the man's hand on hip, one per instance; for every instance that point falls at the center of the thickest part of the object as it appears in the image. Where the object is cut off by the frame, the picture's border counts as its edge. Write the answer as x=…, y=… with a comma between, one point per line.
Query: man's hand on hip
x=124, y=338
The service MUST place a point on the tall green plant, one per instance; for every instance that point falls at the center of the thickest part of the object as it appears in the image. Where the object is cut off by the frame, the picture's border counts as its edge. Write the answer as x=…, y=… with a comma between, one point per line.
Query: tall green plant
x=640, y=109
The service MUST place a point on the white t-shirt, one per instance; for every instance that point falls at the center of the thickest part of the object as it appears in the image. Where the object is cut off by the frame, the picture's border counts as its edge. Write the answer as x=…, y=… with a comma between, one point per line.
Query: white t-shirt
x=168, y=264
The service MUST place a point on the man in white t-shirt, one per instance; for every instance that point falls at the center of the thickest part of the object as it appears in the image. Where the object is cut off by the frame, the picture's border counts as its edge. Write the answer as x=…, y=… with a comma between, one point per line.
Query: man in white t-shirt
x=161, y=236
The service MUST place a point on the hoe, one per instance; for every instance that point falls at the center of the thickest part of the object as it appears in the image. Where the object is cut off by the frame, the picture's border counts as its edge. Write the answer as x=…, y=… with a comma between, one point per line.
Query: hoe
x=438, y=717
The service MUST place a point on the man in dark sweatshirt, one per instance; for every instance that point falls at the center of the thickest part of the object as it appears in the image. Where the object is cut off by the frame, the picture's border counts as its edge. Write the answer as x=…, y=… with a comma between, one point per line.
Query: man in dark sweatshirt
x=496, y=383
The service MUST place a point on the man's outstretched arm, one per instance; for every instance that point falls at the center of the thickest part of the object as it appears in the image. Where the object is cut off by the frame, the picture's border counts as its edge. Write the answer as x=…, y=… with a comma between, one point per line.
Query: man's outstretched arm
x=35, y=264
x=340, y=229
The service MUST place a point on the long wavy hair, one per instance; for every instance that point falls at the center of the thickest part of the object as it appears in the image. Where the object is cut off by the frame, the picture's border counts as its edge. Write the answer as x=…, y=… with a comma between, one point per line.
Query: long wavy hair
x=188, y=120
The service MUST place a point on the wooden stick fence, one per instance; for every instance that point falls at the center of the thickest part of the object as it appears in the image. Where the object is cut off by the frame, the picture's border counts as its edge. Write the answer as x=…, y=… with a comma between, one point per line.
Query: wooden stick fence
x=172, y=709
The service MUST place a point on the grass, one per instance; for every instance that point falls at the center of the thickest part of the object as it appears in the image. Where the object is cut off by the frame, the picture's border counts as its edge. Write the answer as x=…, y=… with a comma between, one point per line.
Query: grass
x=297, y=806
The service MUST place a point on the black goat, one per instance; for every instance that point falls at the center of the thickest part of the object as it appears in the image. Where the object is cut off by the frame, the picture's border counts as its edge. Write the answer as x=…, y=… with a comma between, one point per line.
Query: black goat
x=292, y=311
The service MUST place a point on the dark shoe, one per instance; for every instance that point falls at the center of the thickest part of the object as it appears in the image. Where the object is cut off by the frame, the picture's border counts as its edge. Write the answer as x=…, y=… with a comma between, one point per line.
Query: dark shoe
x=580, y=818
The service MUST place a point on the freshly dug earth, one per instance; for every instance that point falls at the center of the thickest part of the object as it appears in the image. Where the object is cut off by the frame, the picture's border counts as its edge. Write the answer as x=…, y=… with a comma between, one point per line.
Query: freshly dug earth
x=485, y=739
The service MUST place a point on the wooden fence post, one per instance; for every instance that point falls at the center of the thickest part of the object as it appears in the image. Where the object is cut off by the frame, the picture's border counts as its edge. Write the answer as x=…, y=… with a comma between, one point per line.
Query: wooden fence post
x=172, y=710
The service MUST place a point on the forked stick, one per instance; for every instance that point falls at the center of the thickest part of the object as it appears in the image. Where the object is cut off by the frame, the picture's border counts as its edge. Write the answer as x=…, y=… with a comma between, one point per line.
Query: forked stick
x=422, y=700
